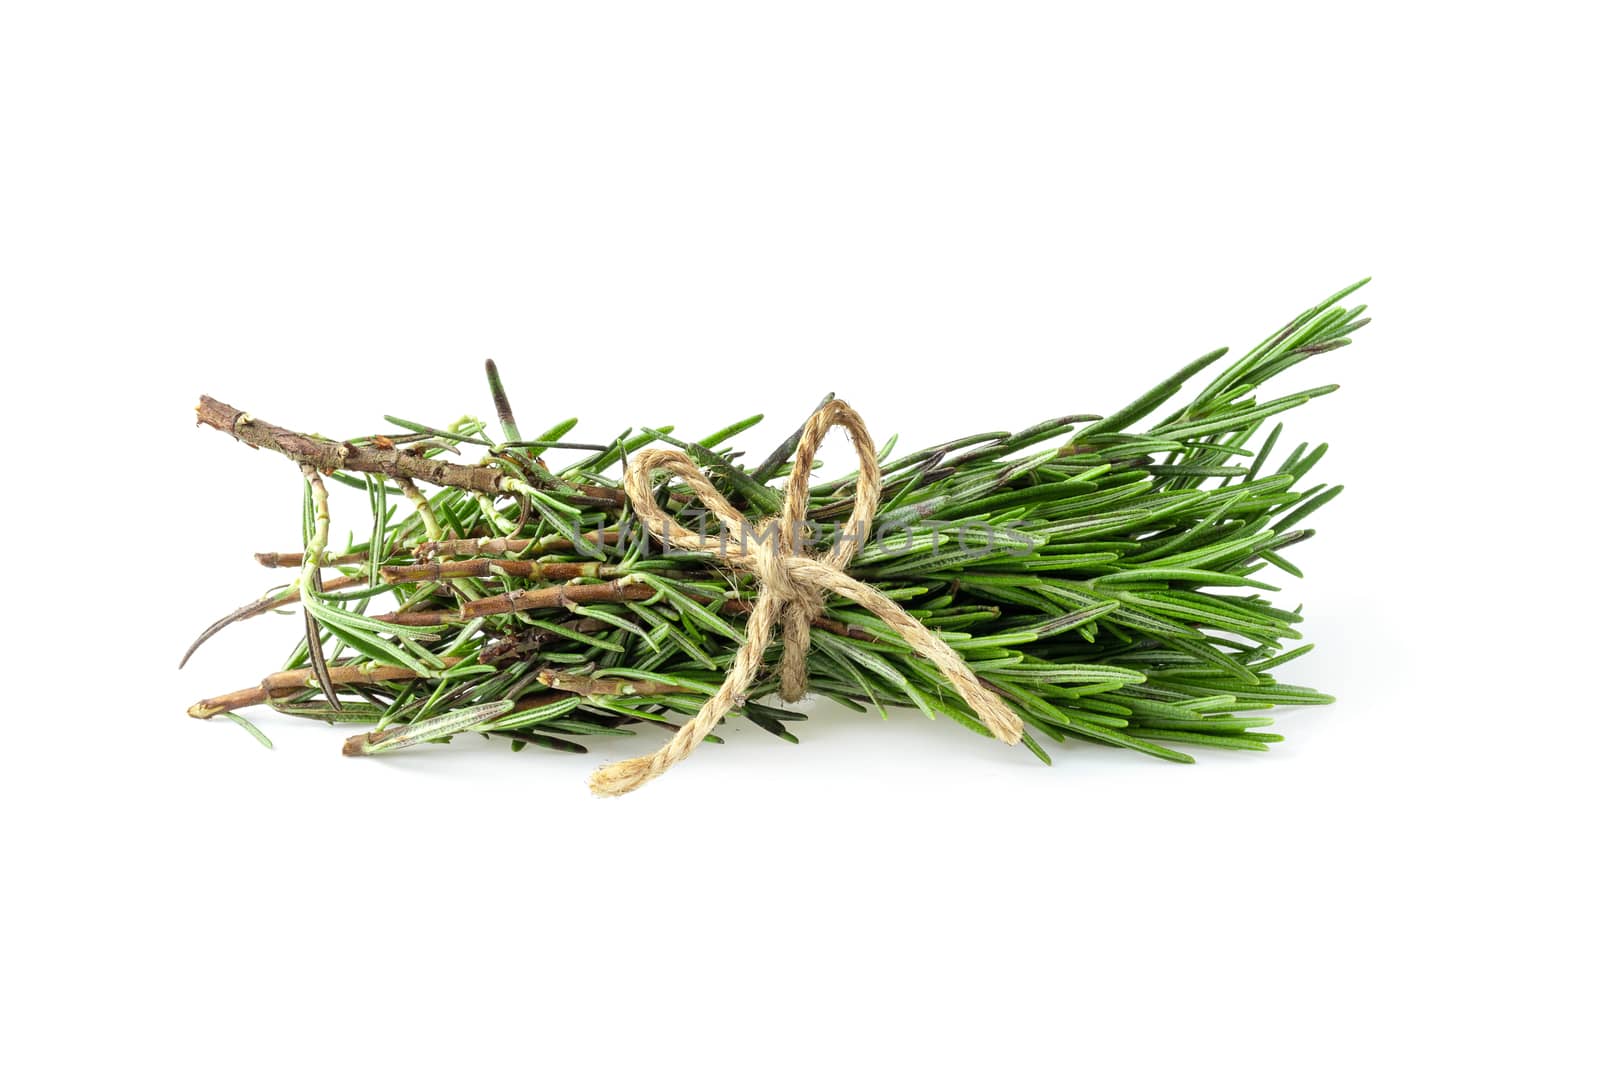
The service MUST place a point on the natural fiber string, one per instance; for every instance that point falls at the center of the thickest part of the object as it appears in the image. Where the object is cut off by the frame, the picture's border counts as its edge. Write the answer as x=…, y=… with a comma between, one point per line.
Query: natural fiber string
x=793, y=587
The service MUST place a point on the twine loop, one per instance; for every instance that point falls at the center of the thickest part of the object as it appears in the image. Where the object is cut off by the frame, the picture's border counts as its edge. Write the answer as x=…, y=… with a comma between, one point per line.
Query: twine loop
x=794, y=588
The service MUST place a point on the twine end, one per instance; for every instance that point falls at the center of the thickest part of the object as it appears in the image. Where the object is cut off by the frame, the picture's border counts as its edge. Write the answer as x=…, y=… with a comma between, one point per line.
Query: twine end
x=621, y=777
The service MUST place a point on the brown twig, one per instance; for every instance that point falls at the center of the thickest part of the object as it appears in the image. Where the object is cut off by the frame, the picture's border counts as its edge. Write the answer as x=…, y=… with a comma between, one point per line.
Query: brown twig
x=553, y=596
x=494, y=546
x=287, y=683
x=568, y=596
x=326, y=455
x=489, y=568
x=297, y=559
x=513, y=568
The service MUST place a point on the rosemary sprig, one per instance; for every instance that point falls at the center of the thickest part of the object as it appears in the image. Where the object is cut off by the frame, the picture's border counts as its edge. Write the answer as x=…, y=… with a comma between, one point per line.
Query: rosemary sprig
x=1109, y=583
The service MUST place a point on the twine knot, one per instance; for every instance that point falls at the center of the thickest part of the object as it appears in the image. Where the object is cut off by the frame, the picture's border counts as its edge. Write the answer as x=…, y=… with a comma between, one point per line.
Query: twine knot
x=794, y=587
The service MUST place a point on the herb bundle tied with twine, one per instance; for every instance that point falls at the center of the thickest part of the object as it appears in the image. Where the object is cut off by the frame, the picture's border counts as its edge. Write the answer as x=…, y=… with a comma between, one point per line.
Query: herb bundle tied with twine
x=1078, y=580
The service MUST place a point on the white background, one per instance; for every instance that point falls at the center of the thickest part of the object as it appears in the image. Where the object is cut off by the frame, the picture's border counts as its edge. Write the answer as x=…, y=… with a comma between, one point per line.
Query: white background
x=960, y=217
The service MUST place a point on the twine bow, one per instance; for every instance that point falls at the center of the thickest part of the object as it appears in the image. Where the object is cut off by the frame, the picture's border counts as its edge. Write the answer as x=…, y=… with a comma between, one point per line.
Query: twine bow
x=793, y=587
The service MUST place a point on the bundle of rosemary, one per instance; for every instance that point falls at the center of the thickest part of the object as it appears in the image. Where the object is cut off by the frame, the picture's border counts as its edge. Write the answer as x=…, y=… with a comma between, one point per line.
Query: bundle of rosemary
x=1076, y=579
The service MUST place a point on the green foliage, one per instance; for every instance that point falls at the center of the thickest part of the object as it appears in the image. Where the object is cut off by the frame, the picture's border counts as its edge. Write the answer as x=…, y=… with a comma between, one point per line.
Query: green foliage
x=1110, y=583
